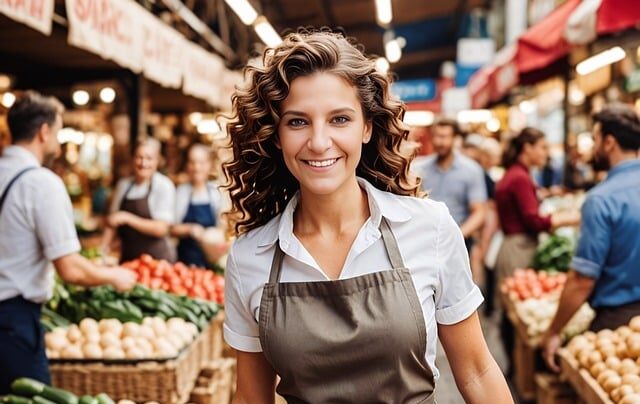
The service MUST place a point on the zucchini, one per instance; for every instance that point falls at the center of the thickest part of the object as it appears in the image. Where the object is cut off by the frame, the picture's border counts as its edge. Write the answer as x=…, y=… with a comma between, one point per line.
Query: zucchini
x=88, y=400
x=27, y=387
x=41, y=400
x=104, y=399
x=11, y=399
x=59, y=396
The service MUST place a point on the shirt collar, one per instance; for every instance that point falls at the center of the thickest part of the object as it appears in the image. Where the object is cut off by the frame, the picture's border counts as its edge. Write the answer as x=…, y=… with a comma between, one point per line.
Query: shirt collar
x=454, y=163
x=21, y=153
x=381, y=204
x=625, y=166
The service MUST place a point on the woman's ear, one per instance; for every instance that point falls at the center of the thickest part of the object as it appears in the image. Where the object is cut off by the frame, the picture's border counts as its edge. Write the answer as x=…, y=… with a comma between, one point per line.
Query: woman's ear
x=276, y=141
x=368, y=132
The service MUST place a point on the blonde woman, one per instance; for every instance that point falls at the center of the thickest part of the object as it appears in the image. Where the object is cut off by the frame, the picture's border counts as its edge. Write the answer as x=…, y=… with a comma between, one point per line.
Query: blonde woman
x=342, y=276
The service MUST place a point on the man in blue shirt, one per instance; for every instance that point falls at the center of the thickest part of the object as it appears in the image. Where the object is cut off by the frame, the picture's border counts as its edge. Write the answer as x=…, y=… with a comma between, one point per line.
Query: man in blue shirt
x=455, y=179
x=606, y=266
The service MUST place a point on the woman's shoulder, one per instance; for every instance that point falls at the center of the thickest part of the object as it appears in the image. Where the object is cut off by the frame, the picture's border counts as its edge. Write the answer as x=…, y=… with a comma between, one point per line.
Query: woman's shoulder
x=249, y=243
x=163, y=181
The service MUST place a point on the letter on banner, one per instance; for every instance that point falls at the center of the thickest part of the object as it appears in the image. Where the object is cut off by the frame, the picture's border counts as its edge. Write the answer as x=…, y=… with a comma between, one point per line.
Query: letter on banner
x=107, y=28
x=163, y=52
x=38, y=14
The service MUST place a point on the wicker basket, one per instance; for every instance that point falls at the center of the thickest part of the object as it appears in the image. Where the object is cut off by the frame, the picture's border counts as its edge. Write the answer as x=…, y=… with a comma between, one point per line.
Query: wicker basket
x=216, y=383
x=166, y=382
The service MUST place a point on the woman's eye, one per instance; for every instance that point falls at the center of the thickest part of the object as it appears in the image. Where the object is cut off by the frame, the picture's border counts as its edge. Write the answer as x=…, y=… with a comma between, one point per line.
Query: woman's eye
x=340, y=120
x=296, y=122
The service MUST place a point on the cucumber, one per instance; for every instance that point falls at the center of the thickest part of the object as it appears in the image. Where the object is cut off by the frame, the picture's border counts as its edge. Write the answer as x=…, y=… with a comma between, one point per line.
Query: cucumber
x=59, y=396
x=41, y=400
x=27, y=387
x=88, y=400
x=104, y=399
x=11, y=399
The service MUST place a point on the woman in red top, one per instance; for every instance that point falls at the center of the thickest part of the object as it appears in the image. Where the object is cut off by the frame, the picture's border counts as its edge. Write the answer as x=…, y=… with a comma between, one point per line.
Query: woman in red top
x=518, y=204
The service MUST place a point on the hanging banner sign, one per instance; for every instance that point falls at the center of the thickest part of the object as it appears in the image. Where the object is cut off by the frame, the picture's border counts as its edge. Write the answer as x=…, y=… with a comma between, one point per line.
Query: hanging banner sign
x=109, y=28
x=202, y=74
x=163, y=52
x=38, y=14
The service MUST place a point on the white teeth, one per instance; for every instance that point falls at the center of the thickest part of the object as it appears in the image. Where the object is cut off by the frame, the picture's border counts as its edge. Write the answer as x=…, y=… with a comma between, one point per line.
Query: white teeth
x=321, y=163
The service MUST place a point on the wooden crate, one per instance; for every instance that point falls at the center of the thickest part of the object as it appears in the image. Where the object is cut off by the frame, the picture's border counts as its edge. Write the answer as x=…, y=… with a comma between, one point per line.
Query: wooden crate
x=216, y=383
x=551, y=390
x=586, y=387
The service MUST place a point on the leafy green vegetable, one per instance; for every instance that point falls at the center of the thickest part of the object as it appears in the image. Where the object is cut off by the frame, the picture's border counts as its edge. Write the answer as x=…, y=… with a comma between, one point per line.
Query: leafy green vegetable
x=555, y=253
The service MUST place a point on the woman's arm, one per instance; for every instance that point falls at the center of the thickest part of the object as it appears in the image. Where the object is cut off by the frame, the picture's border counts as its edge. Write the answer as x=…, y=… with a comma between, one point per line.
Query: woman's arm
x=256, y=382
x=477, y=374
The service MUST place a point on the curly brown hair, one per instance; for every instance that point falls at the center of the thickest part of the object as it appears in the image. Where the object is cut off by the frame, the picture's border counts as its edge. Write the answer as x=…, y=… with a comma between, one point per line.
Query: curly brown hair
x=259, y=183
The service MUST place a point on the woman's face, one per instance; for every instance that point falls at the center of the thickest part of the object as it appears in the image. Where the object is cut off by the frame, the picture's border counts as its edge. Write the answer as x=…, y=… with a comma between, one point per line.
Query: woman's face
x=145, y=162
x=321, y=132
x=538, y=153
x=198, y=165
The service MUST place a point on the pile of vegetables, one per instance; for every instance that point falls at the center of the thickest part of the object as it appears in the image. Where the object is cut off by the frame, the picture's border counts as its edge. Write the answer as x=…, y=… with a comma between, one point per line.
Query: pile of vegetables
x=72, y=304
x=527, y=283
x=110, y=339
x=29, y=391
x=537, y=315
x=612, y=358
x=554, y=253
x=178, y=278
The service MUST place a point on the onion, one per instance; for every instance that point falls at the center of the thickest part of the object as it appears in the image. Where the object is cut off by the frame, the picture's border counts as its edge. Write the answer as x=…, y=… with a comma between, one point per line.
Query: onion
x=74, y=334
x=55, y=341
x=108, y=340
x=89, y=325
x=113, y=352
x=71, y=352
x=130, y=329
x=92, y=351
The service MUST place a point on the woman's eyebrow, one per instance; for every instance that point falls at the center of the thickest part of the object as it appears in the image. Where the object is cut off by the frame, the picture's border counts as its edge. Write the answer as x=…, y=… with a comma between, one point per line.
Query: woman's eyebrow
x=335, y=111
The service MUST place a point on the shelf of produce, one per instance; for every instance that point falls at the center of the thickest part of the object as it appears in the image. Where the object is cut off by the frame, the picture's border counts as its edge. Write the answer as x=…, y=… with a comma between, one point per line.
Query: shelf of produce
x=585, y=386
x=167, y=382
x=519, y=325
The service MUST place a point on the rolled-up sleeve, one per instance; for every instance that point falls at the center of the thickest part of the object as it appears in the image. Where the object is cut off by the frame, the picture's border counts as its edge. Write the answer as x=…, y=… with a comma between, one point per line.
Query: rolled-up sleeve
x=240, y=327
x=53, y=215
x=594, y=243
x=457, y=297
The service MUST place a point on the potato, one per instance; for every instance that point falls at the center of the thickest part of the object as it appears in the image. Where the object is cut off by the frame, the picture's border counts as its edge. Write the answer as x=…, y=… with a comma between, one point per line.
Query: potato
x=590, y=336
x=108, y=339
x=633, y=349
x=583, y=359
x=128, y=342
x=604, y=342
x=616, y=394
x=89, y=325
x=74, y=334
x=606, y=334
x=594, y=357
x=630, y=379
x=608, y=351
x=71, y=352
x=134, y=353
x=113, y=352
x=55, y=341
x=52, y=354
x=624, y=331
x=596, y=369
x=92, y=351
x=625, y=390
x=630, y=399
x=634, y=324
x=130, y=329
x=621, y=350
x=611, y=383
x=628, y=366
x=110, y=325
x=613, y=363
x=146, y=332
x=145, y=346
x=92, y=336
x=606, y=374
x=636, y=388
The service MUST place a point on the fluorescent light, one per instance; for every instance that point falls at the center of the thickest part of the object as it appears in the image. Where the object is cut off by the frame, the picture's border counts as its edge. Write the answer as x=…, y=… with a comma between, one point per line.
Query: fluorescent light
x=383, y=11
x=527, y=107
x=80, y=97
x=265, y=31
x=194, y=118
x=382, y=65
x=208, y=126
x=8, y=99
x=244, y=10
x=418, y=118
x=474, y=116
x=393, y=51
x=493, y=125
x=5, y=81
x=107, y=95
x=600, y=60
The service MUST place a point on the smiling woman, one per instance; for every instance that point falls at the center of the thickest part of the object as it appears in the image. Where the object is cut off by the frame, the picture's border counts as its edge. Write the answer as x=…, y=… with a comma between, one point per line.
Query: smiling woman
x=337, y=255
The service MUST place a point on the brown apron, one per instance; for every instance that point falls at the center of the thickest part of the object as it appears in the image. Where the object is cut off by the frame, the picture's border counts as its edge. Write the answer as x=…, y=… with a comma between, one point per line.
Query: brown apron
x=516, y=251
x=133, y=243
x=357, y=340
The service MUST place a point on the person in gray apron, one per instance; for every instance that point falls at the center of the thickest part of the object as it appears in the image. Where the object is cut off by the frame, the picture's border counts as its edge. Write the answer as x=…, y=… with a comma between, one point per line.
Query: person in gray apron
x=142, y=209
x=342, y=275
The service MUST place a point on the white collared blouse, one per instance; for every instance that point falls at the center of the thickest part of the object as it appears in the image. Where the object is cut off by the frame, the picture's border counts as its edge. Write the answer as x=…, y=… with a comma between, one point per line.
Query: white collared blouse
x=430, y=242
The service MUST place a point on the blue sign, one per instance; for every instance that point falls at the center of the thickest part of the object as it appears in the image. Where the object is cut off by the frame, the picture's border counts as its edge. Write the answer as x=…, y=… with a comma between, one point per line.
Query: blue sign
x=415, y=90
x=464, y=73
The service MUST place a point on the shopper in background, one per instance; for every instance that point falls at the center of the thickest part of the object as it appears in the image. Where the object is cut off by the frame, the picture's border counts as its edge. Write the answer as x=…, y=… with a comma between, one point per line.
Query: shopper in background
x=604, y=270
x=142, y=209
x=455, y=179
x=197, y=208
x=36, y=228
x=325, y=206
x=518, y=206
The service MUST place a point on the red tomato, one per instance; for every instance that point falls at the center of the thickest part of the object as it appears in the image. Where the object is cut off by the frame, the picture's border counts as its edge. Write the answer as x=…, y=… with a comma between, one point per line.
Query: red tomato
x=542, y=275
x=218, y=281
x=519, y=273
x=156, y=283
x=146, y=259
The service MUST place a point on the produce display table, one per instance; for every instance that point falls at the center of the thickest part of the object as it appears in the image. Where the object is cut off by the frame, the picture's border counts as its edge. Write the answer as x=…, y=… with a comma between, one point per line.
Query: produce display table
x=583, y=383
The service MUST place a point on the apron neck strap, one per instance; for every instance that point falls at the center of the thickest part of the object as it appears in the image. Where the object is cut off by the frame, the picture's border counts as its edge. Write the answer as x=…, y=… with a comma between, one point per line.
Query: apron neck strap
x=389, y=240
